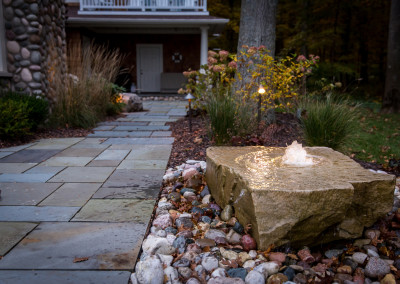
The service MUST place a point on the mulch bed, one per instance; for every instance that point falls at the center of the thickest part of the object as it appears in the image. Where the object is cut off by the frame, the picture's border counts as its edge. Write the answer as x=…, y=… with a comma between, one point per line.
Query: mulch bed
x=192, y=145
x=189, y=145
x=46, y=133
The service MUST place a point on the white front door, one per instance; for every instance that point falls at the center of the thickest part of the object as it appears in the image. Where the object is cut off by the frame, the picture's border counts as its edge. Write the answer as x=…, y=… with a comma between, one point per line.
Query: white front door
x=149, y=67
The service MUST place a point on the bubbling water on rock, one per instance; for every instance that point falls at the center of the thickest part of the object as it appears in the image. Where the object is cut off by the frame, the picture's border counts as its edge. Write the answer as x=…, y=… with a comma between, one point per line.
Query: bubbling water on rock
x=296, y=155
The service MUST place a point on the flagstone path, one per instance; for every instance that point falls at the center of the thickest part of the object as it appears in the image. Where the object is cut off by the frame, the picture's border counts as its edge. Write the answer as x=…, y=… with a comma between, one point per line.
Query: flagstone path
x=75, y=210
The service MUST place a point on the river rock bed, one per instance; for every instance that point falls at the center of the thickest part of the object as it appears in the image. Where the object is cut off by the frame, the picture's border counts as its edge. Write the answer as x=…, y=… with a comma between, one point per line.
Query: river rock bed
x=192, y=240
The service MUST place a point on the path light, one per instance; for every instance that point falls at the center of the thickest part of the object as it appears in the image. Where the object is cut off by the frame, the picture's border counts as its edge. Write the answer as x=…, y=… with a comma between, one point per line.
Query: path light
x=261, y=91
x=190, y=97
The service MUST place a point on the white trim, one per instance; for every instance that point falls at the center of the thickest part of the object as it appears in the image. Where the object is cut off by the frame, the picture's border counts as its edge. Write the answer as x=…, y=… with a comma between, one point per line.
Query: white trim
x=98, y=21
x=138, y=63
x=204, y=45
x=3, y=50
x=147, y=31
x=144, y=6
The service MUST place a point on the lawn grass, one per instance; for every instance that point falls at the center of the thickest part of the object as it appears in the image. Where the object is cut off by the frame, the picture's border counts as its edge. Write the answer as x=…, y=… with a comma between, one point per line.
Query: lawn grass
x=377, y=138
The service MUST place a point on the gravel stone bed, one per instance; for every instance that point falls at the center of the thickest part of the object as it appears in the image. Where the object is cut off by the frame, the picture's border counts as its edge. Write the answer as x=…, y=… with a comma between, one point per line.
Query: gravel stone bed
x=192, y=240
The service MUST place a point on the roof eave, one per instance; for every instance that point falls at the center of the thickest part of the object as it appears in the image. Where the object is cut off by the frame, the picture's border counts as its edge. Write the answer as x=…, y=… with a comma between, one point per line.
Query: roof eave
x=144, y=22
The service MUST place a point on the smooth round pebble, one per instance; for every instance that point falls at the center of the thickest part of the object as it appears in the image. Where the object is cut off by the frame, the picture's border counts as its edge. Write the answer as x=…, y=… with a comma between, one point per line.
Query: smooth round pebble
x=186, y=272
x=267, y=268
x=229, y=254
x=161, y=233
x=150, y=270
x=219, y=272
x=171, y=274
x=154, y=244
x=166, y=259
x=289, y=273
x=233, y=238
x=372, y=253
x=254, y=277
x=248, y=243
x=277, y=278
x=193, y=281
x=225, y=280
x=133, y=278
x=214, y=233
x=376, y=267
x=244, y=256
x=209, y=263
x=249, y=264
x=253, y=253
x=388, y=279
x=183, y=262
x=359, y=257
x=333, y=253
x=237, y=273
x=171, y=230
x=226, y=213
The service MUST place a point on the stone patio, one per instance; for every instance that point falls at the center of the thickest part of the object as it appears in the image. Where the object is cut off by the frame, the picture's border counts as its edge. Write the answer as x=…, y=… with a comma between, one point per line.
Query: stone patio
x=89, y=199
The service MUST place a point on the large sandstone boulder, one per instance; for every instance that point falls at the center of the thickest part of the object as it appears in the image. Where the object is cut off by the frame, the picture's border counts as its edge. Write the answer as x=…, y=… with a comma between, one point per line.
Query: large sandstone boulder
x=304, y=205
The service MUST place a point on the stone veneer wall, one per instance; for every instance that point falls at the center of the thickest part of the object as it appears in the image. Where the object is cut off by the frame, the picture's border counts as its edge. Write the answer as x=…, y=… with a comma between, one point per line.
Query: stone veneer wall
x=35, y=44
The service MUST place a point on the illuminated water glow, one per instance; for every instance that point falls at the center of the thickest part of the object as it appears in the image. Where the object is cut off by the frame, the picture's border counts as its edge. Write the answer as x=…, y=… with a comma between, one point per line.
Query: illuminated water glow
x=296, y=155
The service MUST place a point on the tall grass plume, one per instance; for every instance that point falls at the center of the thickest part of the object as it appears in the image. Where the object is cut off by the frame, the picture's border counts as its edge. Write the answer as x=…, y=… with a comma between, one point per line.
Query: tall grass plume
x=84, y=94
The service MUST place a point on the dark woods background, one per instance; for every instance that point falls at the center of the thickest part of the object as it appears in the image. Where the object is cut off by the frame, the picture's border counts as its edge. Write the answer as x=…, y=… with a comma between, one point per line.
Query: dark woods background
x=350, y=37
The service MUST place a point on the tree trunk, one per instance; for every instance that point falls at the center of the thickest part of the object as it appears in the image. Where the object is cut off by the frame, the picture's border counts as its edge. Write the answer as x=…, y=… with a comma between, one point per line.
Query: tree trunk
x=257, y=27
x=257, y=24
x=363, y=48
x=304, y=47
x=391, y=96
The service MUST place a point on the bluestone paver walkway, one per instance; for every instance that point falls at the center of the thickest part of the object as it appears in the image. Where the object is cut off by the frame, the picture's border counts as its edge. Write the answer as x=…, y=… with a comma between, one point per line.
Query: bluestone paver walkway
x=75, y=210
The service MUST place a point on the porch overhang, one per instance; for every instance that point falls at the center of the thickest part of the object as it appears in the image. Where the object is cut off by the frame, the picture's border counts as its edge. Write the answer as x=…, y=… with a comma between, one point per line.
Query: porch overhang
x=129, y=23
x=160, y=24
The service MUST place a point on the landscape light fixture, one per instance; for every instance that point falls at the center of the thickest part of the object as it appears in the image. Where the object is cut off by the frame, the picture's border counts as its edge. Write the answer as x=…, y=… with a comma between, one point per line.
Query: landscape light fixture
x=261, y=91
x=190, y=97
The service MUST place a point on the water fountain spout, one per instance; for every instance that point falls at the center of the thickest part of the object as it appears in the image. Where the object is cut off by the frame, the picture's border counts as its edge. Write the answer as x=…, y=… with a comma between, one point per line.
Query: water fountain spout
x=296, y=155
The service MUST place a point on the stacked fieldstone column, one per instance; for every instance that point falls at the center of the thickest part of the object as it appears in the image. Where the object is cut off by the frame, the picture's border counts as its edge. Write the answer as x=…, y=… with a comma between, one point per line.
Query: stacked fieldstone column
x=35, y=42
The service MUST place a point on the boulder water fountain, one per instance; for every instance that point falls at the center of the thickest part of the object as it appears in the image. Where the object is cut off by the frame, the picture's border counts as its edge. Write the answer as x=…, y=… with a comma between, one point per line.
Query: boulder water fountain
x=305, y=196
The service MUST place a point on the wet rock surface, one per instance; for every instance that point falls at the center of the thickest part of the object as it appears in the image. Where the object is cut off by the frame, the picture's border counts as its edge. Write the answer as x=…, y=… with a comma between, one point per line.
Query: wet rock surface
x=332, y=199
x=220, y=251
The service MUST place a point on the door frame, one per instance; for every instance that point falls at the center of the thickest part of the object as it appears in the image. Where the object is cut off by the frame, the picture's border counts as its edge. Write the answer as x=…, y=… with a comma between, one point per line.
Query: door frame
x=139, y=62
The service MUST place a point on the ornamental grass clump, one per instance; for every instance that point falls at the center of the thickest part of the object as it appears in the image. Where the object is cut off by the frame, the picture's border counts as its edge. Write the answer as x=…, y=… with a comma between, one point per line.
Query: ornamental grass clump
x=85, y=95
x=330, y=122
x=222, y=113
x=212, y=88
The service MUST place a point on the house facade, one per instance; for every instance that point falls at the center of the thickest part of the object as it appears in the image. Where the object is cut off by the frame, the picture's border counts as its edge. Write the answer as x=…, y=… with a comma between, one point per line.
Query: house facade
x=159, y=38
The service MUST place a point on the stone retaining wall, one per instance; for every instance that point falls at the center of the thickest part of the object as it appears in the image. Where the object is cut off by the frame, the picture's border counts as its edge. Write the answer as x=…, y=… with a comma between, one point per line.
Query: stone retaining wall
x=35, y=44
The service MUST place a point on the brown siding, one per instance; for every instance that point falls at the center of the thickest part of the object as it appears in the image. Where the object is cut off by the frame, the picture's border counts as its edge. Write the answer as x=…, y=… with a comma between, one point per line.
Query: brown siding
x=74, y=45
x=186, y=44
